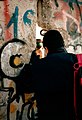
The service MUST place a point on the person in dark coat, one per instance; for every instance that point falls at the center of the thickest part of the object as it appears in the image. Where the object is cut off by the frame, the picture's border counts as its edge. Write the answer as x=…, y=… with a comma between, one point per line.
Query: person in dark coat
x=52, y=80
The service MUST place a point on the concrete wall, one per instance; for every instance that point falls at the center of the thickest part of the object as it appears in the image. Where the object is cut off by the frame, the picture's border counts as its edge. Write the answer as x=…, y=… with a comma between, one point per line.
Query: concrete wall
x=64, y=16
x=18, y=20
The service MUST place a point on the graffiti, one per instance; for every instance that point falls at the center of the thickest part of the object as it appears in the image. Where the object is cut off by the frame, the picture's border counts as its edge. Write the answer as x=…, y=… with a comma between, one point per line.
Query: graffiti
x=26, y=19
x=56, y=3
x=12, y=51
x=76, y=49
x=73, y=1
x=72, y=24
x=14, y=20
x=7, y=17
x=70, y=3
x=1, y=32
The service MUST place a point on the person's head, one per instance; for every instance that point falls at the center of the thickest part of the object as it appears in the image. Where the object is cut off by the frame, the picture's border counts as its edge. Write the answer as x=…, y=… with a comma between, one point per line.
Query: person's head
x=53, y=40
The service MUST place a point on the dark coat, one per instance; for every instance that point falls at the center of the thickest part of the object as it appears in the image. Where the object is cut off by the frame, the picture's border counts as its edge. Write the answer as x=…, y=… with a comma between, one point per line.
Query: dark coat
x=54, y=83
x=52, y=79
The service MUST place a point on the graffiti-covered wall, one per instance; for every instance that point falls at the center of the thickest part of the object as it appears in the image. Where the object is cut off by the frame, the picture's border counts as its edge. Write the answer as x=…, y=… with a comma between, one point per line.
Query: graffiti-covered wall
x=64, y=15
x=18, y=20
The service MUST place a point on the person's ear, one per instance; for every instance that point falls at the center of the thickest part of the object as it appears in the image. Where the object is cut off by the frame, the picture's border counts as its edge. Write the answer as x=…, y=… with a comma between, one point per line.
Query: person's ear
x=46, y=50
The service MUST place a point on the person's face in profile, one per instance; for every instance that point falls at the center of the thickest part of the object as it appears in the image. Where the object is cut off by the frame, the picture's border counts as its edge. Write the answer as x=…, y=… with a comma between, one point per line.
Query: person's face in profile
x=40, y=52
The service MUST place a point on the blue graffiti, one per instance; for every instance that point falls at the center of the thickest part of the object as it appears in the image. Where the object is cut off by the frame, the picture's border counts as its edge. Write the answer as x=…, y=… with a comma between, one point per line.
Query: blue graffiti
x=16, y=23
x=26, y=20
x=73, y=1
x=14, y=20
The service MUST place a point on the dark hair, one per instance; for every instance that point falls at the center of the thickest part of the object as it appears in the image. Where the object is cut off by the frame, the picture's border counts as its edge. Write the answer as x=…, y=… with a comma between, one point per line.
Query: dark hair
x=53, y=40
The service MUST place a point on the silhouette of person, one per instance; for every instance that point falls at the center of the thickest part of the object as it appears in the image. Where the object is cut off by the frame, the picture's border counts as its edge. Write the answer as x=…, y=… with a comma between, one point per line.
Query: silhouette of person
x=52, y=80
x=53, y=77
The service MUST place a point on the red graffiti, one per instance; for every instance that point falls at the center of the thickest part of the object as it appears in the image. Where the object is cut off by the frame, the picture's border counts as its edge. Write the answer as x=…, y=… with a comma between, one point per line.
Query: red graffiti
x=7, y=18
